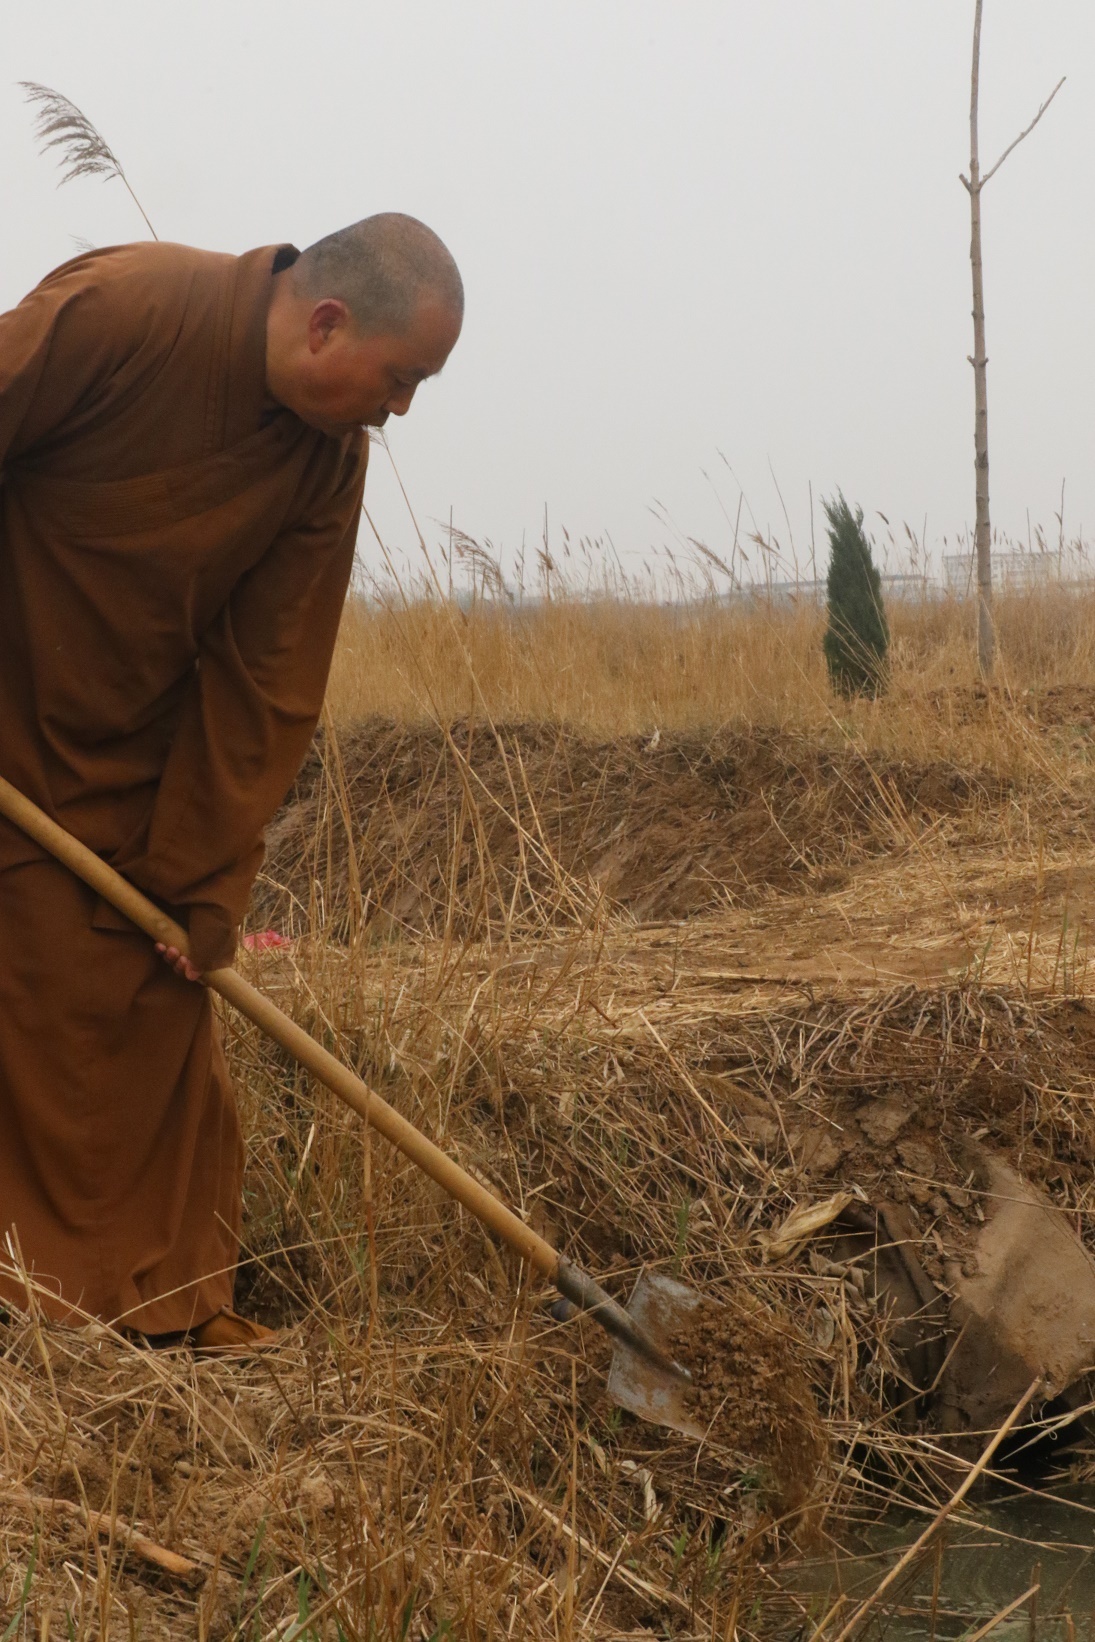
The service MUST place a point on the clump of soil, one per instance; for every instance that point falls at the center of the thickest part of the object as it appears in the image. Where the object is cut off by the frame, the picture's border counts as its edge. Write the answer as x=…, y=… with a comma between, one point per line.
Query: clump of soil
x=750, y=1391
x=460, y=827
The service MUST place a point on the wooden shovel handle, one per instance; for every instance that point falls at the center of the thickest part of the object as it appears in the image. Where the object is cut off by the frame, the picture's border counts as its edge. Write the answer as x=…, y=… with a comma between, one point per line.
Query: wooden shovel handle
x=276, y=1024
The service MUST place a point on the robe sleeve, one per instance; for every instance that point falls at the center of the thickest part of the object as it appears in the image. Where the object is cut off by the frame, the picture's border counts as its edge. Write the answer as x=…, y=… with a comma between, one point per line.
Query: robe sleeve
x=247, y=723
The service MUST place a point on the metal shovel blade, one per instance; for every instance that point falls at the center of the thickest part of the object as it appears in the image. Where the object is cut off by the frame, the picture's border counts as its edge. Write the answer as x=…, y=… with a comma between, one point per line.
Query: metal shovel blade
x=662, y=1307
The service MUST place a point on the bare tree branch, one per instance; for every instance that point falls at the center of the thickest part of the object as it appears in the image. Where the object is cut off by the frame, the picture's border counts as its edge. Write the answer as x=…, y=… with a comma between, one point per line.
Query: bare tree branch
x=991, y=172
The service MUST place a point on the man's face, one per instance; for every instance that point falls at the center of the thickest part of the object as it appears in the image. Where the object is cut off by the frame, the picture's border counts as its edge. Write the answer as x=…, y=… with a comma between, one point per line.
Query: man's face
x=342, y=379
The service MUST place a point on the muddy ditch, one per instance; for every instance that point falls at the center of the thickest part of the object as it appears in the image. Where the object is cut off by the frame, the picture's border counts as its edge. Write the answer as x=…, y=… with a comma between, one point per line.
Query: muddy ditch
x=928, y=1118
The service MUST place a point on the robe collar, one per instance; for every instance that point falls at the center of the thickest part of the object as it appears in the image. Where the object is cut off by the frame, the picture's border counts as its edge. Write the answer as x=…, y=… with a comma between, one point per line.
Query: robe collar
x=245, y=399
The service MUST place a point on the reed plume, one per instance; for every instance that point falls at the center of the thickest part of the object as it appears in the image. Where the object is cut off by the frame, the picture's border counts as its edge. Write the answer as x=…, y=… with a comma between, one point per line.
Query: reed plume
x=82, y=150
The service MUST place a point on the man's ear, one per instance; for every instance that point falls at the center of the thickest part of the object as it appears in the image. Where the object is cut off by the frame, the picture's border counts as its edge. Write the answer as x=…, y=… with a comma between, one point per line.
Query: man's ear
x=326, y=317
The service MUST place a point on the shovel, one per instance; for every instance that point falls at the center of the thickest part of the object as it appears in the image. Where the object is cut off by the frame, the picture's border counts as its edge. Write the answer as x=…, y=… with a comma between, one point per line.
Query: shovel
x=644, y=1376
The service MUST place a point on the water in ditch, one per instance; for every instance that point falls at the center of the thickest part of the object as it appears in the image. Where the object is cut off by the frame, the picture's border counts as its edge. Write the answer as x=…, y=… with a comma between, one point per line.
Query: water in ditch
x=990, y=1557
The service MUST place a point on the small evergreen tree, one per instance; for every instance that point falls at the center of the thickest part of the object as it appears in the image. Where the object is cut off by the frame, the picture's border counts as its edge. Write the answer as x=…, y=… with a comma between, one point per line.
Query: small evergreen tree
x=857, y=637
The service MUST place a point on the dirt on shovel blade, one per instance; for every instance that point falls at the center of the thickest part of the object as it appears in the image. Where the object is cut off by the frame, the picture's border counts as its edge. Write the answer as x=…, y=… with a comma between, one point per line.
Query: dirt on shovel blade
x=751, y=1395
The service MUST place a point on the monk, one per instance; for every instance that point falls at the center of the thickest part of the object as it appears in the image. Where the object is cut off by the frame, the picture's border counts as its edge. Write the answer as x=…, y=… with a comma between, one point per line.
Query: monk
x=182, y=456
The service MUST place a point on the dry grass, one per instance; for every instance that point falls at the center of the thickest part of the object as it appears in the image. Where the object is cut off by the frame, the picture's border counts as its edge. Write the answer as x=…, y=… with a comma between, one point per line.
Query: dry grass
x=492, y=925
x=621, y=667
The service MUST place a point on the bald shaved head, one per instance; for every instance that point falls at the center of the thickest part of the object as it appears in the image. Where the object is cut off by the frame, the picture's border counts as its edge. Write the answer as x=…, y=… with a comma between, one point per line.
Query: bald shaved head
x=382, y=268
x=359, y=321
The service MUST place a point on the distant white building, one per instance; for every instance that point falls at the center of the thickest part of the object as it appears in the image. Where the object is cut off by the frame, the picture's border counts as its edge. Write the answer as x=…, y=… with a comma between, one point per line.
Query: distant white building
x=1011, y=572
x=911, y=587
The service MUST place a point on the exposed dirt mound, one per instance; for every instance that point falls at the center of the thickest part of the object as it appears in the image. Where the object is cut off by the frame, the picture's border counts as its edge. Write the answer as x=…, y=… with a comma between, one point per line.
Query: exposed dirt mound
x=461, y=827
x=895, y=1086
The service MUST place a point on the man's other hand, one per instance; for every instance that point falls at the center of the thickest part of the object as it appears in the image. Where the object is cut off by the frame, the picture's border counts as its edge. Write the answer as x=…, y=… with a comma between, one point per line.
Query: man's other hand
x=179, y=962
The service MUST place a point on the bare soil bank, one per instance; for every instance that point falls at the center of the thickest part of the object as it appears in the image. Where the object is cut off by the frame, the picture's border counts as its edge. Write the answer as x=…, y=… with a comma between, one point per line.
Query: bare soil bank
x=469, y=827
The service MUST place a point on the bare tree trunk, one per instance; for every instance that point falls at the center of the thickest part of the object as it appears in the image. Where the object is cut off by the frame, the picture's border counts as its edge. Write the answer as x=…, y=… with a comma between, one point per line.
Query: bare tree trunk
x=986, y=637
x=973, y=184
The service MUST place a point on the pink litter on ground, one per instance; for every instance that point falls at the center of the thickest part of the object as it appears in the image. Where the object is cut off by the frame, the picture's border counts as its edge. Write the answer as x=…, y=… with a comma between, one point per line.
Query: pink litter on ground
x=263, y=939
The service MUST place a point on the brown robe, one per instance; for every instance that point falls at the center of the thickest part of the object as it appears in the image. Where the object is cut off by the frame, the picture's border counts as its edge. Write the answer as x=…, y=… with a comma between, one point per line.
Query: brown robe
x=174, y=554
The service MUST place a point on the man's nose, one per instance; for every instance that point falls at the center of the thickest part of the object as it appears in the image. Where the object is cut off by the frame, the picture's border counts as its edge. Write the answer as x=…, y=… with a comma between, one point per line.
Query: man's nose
x=399, y=403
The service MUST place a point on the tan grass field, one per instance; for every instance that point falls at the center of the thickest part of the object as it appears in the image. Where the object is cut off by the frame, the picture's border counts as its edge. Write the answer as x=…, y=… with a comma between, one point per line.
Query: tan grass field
x=625, y=909
x=614, y=666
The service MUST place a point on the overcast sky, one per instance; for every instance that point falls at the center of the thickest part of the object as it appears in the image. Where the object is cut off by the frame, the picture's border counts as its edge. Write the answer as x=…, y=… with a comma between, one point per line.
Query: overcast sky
x=696, y=237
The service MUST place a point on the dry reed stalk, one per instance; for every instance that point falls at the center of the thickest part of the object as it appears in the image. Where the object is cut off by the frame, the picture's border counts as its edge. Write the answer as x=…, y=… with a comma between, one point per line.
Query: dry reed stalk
x=1005, y=1613
x=111, y=1528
